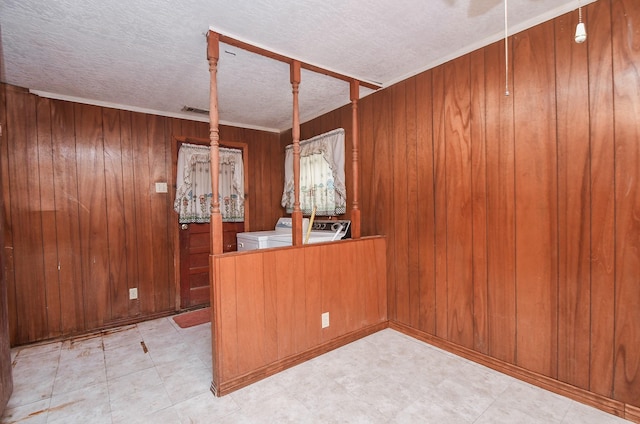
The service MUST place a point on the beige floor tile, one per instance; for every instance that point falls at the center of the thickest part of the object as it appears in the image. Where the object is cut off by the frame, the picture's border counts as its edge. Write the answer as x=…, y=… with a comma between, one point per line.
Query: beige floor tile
x=283, y=408
x=121, y=337
x=534, y=402
x=126, y=360
x=387, y=377
x=185, y=378
x=38, y=349
x=583, y=414
x=206, y=408
x=87, y=405
x=138, y=394
x=32, y=413
x=33, y=376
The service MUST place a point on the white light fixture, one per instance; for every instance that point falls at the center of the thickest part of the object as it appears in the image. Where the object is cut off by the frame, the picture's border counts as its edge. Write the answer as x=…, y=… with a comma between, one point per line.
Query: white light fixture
x=581, y=31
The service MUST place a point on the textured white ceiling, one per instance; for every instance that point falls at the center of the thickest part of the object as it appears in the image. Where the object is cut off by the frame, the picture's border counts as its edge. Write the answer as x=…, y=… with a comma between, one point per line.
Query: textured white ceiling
x=150, y=55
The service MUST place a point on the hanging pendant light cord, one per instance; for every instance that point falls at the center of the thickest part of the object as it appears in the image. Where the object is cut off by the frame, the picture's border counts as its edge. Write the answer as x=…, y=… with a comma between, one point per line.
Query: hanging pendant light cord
x=579, y=13
x=506, y=49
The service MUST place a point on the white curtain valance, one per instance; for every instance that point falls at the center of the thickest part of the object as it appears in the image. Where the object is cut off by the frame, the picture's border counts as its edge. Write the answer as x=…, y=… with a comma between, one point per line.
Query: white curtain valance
x=231, y=185
x=328, y=195
x=193, y=184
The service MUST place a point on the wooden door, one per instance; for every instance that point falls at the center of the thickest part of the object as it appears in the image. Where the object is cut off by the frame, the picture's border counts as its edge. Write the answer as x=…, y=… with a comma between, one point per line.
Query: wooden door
x=194, y=240
x=194, y=260
x=194, y=265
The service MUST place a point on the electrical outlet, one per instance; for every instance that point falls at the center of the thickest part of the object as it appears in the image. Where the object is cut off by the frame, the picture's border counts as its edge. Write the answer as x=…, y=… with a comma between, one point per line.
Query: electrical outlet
x=133, y=293
x=325, y=320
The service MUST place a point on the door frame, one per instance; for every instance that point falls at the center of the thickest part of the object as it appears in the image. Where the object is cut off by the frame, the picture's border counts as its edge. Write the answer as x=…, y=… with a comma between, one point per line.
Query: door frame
x=175, y=234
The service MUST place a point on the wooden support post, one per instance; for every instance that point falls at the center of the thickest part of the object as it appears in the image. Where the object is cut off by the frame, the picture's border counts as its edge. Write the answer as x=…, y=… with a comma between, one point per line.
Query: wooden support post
x=355, y=210
x=213, y=54
x=296, y=215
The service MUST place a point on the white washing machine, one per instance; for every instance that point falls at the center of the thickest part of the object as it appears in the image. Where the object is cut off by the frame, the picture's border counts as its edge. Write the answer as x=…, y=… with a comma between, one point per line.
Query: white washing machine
x=322, y=231
x=271, y=238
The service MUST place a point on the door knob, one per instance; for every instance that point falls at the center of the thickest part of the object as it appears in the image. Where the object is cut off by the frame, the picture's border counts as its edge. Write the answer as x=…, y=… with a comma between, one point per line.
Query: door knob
x=185, y=226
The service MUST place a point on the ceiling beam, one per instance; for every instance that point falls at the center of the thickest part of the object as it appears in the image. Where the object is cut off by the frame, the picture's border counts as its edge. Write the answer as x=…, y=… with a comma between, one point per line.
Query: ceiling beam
x=276, y=56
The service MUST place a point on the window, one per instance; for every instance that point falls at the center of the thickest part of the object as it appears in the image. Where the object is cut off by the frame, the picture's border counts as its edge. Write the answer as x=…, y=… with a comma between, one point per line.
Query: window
x=322, y=177
x=193, y=182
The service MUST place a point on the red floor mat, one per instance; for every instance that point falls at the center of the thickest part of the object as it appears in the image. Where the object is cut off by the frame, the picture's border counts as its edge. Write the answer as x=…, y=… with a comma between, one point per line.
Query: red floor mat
x=189, y=319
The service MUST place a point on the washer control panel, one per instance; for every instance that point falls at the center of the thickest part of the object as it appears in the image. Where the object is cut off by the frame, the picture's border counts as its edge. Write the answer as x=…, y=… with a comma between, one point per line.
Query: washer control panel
x=341, y=226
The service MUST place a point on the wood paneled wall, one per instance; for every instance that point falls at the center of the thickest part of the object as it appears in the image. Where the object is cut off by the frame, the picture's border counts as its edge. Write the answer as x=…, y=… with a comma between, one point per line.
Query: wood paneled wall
x=82, y=221
x=268, y=305
x=512, y=222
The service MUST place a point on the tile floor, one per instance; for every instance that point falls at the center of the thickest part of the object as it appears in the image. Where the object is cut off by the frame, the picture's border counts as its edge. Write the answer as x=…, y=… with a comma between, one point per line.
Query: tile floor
x=384, y=378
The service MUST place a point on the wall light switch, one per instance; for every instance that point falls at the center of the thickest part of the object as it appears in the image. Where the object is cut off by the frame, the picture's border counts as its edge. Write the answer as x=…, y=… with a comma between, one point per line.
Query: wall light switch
x=161, y=188
x=325, y=320
x=133, y=293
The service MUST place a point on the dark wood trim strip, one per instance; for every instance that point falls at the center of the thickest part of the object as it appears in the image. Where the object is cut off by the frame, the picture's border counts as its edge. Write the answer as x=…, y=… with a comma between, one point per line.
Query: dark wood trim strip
x=106, y=327
x=631, y=413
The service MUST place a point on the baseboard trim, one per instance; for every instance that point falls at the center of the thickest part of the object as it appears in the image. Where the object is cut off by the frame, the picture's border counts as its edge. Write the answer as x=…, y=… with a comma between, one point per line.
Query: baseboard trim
x=239, y=382
x=603, y=403
x=632, y=413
